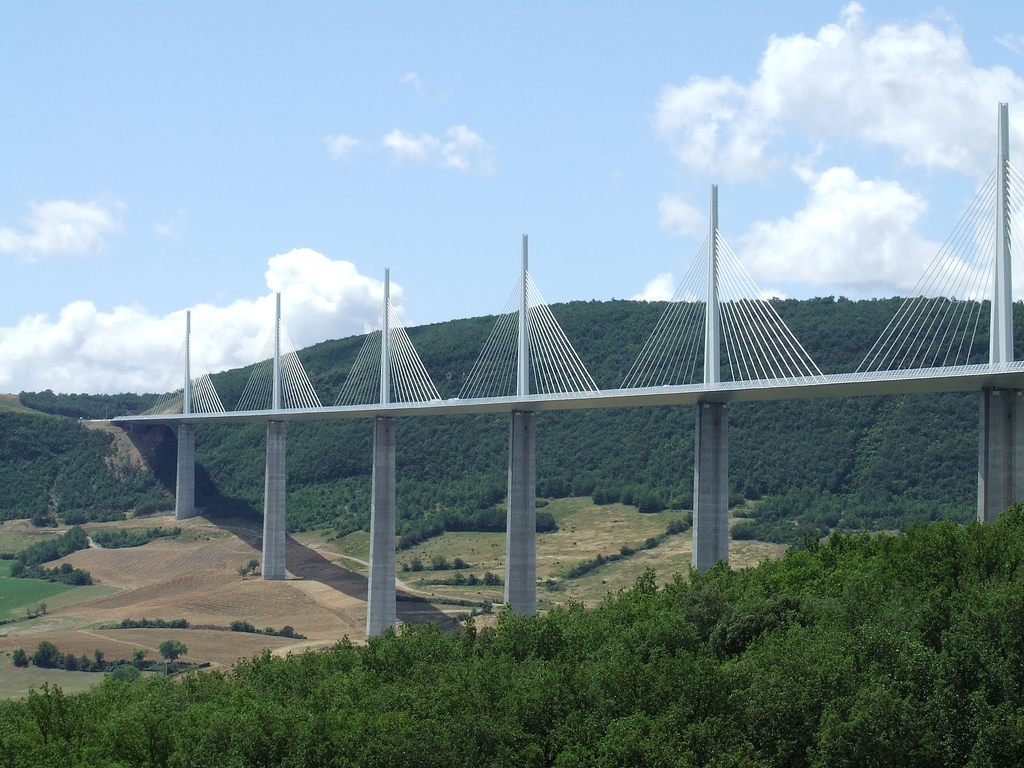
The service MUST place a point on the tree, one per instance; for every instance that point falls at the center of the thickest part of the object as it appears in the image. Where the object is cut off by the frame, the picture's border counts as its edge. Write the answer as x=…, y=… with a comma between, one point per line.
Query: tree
x=253, y=565
x=139, y=657
x=20, y=658
x=47, y=655
x=98, y=664
x=243, y=571
x=171, y=650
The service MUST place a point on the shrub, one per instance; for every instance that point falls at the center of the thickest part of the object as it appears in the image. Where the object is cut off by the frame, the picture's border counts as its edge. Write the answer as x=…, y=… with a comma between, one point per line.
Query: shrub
x=47, y=656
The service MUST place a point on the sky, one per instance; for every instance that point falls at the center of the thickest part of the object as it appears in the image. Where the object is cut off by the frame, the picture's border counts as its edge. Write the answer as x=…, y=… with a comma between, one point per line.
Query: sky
x=156, y=158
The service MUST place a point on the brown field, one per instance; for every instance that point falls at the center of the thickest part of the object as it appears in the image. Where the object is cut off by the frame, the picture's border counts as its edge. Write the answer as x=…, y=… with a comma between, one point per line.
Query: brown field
x=195, y=577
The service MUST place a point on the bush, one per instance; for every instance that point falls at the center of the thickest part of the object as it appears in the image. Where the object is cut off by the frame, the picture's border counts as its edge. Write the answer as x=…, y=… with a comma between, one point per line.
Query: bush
x=125, y=672
x=546, y=523
x=242, y=626
x=20, y=658
x=47, y=656
x=121, y=538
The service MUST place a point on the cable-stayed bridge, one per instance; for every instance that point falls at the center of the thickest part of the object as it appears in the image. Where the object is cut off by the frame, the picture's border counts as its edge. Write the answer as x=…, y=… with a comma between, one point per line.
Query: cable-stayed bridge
x=719, y=341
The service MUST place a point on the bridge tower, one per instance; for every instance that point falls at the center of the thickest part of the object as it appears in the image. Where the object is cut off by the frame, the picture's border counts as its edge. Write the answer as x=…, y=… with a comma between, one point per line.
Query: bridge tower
x=381, y=610
x=1001, y=443
x=711, y=445
x=521, y=536
x=274, y=486
x=185, y=481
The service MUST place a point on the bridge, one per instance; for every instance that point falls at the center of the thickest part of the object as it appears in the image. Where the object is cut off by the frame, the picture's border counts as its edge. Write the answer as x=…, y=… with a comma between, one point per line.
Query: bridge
x=719, y=342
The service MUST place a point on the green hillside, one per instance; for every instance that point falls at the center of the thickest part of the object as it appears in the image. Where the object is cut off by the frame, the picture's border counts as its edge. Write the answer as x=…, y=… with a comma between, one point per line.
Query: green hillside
x=53, y=467
x=863, y=651
x=866, y=463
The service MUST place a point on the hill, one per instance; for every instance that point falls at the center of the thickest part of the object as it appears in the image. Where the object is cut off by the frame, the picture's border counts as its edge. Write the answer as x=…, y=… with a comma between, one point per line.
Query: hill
x=866, y=463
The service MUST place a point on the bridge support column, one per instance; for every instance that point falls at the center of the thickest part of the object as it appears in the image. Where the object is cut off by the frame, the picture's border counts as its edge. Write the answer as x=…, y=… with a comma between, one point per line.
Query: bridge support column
x=380, y=602
x=711, y=486
x=185, y=484
x=273, y=504
x=521, y=538
x=1000, y=452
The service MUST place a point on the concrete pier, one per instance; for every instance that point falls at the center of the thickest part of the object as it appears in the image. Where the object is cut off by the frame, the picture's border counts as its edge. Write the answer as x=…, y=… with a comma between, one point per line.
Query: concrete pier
x=1000, y=452
x=185, y=483
x=521, y=538
x=380, y=602
x=711, y=486
x=273, y=504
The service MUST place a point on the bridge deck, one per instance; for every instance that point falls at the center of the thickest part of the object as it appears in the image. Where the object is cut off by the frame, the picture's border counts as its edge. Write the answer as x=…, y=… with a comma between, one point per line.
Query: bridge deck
x=954, y=379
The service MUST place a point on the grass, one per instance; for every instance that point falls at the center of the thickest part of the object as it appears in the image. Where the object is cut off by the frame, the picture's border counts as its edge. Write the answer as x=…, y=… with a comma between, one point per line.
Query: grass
x=584, y=531
x=5, y=568
x=16, y=535
x=74, y=595
x=13, y=403
x=15, y=682
x=16, y=594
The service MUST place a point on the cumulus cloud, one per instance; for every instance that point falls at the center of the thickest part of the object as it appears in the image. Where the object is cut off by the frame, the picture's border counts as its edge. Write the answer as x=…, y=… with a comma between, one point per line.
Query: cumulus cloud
x=464, y=150
x=678, y=217
x=60, y=227
x=86, y=349
x=660, y=288
x=340, y=146
x=408, y=149
x=856, y=235
x=913, y=88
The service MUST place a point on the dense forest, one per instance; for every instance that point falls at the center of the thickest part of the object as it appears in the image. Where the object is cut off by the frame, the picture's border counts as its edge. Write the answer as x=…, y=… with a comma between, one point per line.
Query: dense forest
x=54, y=468
x=867, y=650
x=873, y=463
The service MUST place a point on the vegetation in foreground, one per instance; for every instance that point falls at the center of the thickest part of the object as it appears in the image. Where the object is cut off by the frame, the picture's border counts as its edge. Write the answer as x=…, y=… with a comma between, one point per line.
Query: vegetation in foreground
x=865, y=650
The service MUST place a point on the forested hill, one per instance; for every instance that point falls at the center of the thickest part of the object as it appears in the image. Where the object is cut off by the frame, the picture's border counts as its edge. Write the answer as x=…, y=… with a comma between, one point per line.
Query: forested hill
x=865, y=463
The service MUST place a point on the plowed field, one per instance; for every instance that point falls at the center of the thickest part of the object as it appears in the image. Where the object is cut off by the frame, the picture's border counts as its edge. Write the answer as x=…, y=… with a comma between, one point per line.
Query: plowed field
x=196, y=578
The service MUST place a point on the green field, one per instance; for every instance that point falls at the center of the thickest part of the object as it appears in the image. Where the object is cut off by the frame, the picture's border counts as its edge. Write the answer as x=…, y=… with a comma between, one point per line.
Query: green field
x=17, y=594
x=5, y=568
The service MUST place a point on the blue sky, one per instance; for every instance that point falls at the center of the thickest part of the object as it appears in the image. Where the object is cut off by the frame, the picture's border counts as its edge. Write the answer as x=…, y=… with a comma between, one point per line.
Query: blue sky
x=202, y=155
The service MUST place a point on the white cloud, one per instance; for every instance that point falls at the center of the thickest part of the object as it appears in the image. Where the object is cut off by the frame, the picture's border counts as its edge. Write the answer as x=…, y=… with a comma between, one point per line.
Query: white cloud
x=172, y=226
x=465, y=150
x=678, y=217
x=660, y=288
x=407, y=149
x=411, y=78
x=913, y=88
x=60, y=227
x=855, y=235
x=340, y=146
x=86, y=349
x=1011, y=41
